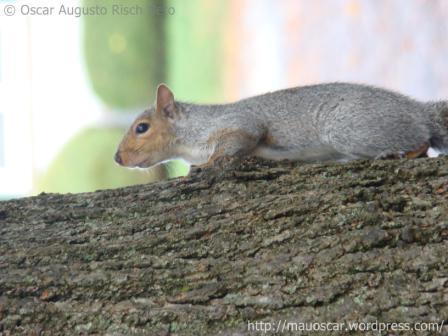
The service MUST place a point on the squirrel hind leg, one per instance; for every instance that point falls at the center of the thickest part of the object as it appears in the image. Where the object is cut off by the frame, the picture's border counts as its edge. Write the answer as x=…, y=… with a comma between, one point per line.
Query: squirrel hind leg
x=421, y=151
x=390, y=155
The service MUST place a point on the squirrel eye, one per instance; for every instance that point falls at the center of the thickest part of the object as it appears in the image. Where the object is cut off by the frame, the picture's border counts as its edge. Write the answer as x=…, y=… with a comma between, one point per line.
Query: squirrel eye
x=141, y=128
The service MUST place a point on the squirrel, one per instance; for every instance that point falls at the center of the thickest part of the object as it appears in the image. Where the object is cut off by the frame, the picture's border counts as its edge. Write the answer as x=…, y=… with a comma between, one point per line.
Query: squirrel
x=334, y=121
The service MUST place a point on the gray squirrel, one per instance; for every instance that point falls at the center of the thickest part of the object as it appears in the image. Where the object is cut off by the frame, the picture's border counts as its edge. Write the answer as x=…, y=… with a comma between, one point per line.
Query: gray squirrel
x=335, y=121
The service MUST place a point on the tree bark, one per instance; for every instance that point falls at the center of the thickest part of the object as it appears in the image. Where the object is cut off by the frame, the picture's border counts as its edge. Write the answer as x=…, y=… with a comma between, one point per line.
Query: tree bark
x=268, y=242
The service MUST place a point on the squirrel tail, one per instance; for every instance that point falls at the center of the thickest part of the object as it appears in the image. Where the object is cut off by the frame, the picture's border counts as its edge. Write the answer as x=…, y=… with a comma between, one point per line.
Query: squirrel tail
x=439, y=125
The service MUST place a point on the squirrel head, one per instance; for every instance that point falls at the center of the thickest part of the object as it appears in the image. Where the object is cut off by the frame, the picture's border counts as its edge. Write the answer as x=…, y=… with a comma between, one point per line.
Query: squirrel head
x=151, y=138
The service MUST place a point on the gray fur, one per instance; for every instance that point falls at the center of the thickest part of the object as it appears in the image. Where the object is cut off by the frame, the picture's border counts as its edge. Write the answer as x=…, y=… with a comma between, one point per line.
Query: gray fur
x=336, y=121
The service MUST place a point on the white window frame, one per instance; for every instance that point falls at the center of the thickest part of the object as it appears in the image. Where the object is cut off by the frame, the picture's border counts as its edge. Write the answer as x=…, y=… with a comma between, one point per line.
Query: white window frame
x=15, y=94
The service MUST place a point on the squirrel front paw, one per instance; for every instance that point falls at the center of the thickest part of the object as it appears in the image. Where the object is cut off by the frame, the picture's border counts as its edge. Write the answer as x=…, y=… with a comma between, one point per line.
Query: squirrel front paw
x=220, y=167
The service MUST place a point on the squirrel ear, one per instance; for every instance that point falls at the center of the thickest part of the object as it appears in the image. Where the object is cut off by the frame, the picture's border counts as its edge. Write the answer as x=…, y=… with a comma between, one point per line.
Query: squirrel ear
x=165, y=102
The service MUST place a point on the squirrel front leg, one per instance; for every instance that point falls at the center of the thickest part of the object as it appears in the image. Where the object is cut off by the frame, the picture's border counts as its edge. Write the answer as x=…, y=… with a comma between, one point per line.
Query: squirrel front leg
x=230, y=146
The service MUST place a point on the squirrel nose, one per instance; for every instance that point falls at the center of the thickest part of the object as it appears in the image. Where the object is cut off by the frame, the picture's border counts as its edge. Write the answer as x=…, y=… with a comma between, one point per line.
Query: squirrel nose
x=118, y=159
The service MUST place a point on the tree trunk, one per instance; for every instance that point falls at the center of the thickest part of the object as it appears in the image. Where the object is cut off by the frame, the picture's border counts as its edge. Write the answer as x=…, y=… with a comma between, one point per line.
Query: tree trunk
x=269, y=245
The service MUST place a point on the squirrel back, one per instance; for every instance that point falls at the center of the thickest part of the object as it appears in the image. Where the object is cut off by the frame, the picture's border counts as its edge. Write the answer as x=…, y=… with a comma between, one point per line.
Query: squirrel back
x=335, y=121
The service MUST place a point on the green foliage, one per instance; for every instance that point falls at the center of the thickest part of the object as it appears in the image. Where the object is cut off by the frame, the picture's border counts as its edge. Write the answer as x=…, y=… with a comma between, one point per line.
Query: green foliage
x=195, y=49
x=177, y=168
x=86, y=164
x=125, y=54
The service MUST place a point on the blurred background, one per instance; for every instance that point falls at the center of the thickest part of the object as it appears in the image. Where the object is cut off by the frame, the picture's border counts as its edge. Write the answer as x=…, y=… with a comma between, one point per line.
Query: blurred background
x=72, y=82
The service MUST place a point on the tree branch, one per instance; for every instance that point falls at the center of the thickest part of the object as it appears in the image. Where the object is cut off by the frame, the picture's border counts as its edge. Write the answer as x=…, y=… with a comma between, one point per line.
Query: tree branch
x=359, y=242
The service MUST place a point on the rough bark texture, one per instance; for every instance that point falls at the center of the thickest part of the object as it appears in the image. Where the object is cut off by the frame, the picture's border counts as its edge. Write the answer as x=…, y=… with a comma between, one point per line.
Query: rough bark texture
x=362, y=241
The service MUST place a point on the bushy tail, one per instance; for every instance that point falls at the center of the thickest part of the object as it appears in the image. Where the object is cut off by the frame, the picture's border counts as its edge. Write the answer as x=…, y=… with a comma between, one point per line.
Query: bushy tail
x=444, y=114
x=439, y=125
